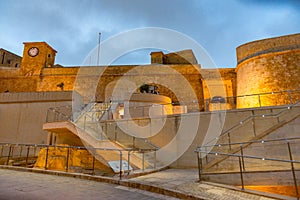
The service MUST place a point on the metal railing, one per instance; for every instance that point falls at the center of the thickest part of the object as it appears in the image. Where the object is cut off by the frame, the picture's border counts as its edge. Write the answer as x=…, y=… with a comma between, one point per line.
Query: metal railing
x=38, y=156
x=93, y=115
x=97, y=111
x=283, y=97
x=290, y=97
x=282, y=146
x=63, y=113
x=251, y=119
x=98, y=128
x=139, y=143
x=258, y=100
x=125, y=139
x=90, y=121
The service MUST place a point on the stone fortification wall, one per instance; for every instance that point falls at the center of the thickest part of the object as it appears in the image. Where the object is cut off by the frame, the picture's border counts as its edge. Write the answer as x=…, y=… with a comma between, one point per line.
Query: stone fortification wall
x=221, y=74
x=64, y=79
x=267, y=66
x=167, y=71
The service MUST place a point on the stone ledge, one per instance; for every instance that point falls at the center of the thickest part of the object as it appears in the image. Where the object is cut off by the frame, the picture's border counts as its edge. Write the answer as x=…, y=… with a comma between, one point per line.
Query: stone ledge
x=250, y=48
x=270, y=50
x=29, y=97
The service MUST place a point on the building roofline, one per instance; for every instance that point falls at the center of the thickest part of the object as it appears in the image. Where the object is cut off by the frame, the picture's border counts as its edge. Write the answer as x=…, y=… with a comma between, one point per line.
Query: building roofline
x=10, y=52
x=43, y=42
x=269, y=39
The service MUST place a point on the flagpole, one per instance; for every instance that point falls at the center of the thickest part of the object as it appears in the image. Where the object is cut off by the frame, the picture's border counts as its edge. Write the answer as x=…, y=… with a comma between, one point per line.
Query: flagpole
x=98, y=49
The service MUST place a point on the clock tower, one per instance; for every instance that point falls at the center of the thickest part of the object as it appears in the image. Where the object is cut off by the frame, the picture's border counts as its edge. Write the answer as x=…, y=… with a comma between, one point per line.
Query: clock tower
x=36, y=56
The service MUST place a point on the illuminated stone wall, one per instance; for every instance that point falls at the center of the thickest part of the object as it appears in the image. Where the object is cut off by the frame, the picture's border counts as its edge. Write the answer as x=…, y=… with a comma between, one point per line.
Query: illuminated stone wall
x=38, y=73
x=267, y=66
x=220, y=76
x=264, y=66
x=181, y=57
x=33, y=65
x=109, y=79
x=50, y=78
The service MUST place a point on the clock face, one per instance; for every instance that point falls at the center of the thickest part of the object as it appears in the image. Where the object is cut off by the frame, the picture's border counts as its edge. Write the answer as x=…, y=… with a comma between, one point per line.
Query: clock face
x=33, y=51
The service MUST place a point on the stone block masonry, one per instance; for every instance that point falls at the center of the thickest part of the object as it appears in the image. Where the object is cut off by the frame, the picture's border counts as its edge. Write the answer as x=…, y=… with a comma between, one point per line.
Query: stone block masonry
x=269, y=65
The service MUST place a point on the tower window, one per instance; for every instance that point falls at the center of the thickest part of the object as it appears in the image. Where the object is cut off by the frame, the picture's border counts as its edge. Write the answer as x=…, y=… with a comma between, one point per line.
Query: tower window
x=49, y=55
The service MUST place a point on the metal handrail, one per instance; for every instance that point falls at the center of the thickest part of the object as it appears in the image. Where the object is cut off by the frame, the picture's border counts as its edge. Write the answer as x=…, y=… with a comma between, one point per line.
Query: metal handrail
x=216, y=153
x=194, y=102
x=128, y=151
x=229, y=97
x=264, y=93
x=154, y=147
x=77, y=147
x=208, y=100
x=60, y=115
x=92, y=112
x=85, y=108
x=90, y=115
x=251, y=117
x=241, y=158
x=249, y=142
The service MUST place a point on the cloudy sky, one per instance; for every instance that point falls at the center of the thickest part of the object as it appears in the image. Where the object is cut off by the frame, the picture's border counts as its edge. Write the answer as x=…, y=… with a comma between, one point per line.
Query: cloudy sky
x=72, y=26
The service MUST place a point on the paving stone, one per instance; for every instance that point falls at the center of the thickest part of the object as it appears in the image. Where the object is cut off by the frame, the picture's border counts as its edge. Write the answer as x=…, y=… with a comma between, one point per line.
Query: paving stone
x=181, y=183
x=35, y=186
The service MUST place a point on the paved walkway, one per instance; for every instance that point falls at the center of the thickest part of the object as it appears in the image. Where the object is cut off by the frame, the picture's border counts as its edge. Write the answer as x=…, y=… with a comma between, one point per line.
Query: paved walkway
x=185, y=181
x=15, y=185
x=175, y=182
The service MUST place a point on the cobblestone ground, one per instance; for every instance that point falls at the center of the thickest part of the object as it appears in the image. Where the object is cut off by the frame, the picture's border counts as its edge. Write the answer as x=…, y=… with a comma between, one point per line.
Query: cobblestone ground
x=15, y=185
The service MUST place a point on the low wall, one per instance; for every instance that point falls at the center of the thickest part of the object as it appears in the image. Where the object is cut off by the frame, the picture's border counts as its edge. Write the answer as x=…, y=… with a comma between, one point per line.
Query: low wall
x=162, y=133
x=22, y=115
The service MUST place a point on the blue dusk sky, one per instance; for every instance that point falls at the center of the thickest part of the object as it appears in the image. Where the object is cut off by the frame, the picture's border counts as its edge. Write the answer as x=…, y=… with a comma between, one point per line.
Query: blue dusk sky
x=72, y=26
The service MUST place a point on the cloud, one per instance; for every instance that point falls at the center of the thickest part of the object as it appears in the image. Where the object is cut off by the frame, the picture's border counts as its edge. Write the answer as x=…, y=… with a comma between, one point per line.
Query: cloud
x=72, y=26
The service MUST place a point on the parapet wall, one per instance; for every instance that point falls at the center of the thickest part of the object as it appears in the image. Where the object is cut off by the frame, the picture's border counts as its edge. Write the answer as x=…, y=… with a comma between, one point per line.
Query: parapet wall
x=269, y=65
x=270, y=45
x=175, y=58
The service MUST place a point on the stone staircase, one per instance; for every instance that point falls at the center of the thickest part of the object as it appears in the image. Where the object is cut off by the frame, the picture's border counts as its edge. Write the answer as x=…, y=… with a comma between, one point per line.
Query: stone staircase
x=100, y=126
x=89, y=125
x=88, y=120
x=95, y=122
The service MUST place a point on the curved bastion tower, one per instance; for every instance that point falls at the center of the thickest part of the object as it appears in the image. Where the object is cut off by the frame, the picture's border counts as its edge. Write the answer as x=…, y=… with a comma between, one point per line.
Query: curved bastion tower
x=268, y=66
